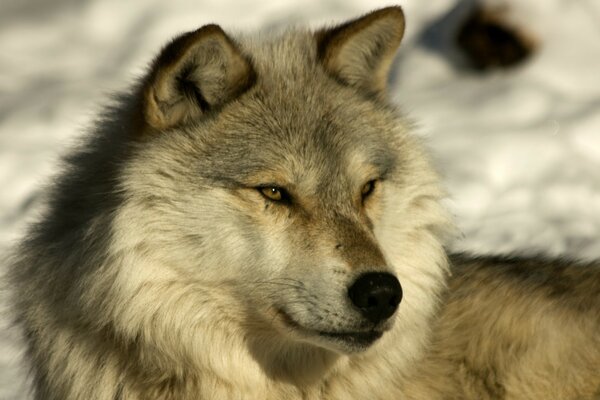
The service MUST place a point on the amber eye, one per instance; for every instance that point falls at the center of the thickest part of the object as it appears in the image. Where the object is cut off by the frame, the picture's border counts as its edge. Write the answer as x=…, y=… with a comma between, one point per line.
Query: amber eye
x=274, y=193
x=367, y=189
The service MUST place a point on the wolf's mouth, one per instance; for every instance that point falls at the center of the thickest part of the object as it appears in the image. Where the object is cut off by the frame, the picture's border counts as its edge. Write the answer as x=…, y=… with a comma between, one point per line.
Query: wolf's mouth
x=355, y=339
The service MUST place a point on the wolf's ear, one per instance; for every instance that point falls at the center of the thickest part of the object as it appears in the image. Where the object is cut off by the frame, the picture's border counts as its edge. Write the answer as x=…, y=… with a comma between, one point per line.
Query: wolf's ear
x=360, y=52
x=195, y=73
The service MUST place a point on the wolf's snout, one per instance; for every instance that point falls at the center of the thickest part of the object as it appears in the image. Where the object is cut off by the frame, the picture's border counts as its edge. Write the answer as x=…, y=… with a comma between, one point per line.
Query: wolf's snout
x=376, y=294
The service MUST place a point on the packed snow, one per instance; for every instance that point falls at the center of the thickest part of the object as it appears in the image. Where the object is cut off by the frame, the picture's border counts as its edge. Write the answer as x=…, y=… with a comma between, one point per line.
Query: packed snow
x=519, y=149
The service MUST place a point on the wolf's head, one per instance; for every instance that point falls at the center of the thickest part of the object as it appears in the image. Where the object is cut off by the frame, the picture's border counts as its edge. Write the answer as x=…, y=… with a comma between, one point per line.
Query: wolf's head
x=275, y=172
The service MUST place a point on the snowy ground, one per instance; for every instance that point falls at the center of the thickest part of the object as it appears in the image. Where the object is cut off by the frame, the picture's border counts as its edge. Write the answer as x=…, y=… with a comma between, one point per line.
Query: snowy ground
x=519, y=151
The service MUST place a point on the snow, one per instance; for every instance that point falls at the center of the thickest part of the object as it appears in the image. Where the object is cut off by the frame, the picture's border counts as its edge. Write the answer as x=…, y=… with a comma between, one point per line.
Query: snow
x=519, y=150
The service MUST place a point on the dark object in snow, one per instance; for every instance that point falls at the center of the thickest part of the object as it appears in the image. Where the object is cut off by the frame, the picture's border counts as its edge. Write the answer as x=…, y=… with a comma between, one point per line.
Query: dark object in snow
x=489, y=43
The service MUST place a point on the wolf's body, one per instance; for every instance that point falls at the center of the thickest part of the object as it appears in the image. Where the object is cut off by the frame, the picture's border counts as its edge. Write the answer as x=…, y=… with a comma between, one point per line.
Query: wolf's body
x=214, y=237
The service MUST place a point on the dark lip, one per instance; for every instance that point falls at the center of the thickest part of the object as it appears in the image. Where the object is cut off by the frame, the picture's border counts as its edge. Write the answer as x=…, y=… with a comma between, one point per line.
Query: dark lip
x=358, y=338
x=361, y=339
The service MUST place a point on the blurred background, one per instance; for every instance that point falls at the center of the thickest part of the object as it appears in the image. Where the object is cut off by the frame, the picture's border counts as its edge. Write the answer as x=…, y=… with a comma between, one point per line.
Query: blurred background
x=505, y=93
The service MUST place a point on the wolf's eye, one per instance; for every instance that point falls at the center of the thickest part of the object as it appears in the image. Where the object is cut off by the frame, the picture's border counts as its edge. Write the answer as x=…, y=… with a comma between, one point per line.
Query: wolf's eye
x=367, y=189
x=274, y=193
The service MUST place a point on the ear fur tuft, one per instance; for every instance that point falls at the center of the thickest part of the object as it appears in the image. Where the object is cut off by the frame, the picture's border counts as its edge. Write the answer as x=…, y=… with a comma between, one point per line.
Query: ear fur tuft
x=196, y=72
x=359, y=53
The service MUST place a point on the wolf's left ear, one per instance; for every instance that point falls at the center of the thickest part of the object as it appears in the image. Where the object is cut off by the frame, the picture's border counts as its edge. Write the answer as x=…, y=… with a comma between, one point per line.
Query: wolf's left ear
x=195, y=73
x=360, y=52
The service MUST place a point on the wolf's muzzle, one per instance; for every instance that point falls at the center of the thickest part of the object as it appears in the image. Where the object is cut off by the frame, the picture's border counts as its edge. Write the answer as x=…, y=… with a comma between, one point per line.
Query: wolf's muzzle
x=376, y=295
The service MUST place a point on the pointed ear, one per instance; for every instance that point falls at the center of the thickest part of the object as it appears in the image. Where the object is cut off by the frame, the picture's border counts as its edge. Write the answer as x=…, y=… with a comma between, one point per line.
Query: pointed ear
x=359, y=53
x=193, y=74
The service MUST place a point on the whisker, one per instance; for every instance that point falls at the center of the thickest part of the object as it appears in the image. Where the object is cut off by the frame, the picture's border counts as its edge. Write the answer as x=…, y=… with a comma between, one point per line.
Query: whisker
x=280, y=284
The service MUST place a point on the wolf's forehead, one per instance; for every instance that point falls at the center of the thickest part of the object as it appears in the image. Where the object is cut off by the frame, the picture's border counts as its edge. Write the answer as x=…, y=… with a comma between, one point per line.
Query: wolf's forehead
x=296, y=141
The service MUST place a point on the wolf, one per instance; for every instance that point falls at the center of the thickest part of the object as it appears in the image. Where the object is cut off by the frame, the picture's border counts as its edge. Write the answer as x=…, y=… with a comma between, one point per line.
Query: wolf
x=255, y=220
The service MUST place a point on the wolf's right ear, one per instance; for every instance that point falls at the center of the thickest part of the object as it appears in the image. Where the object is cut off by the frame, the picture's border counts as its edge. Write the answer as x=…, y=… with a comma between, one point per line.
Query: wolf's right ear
x=359, y=53
x=193, y=74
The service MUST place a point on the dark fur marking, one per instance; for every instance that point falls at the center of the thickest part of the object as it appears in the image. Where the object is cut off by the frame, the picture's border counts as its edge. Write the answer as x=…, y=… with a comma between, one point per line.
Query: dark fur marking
x=177, y=47
x=564, y=281
x=119, y=392
x=487, y=377
x=190, y=89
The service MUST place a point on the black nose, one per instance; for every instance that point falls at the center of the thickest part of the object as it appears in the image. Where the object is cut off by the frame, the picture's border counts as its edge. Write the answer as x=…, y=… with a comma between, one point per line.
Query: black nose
x=376, y=294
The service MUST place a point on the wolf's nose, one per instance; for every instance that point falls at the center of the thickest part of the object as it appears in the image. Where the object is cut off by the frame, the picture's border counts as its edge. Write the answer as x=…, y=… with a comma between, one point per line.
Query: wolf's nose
x=376, y=294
